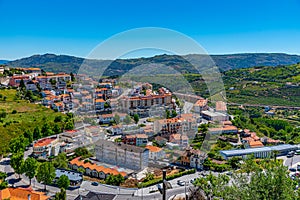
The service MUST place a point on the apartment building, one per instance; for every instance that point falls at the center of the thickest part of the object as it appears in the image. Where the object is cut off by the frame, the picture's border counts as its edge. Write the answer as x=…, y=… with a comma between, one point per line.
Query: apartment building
x=123, y=155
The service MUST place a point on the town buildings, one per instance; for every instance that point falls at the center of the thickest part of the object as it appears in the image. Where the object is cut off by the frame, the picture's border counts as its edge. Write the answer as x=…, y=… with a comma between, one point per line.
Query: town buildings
x=46, y=147
x=140, y=104
x=22, y=194
x=155, y=153
x=92, y=169
x=261, y=152
x=123, y=155
x=137, y=139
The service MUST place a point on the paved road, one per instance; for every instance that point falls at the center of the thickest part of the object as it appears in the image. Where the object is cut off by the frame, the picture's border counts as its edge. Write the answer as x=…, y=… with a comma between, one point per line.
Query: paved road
x=291, y=162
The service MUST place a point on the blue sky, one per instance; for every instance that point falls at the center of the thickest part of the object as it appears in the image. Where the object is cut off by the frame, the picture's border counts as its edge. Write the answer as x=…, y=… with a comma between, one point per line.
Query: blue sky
x=76, y=27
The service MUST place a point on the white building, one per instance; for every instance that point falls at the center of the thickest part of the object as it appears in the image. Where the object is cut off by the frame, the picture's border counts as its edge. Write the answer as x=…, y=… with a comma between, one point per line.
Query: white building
x=122, y=155
x=156, y=153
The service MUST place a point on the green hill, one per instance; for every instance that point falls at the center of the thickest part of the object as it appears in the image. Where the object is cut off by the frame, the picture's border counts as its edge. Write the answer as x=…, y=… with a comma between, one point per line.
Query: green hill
x=64, y=63
x=20, y=115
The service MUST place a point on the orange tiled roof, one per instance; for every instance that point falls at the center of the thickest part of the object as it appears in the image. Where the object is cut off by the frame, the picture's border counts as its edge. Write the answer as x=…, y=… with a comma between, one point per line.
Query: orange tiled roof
x=44, y=142
x=201, y=102
x=22, y=194
x=153, y=148
x=221, y=106
x=99, y=101
x=107, y=115
x=255, y=144
x=78, y=162
x=224, y=128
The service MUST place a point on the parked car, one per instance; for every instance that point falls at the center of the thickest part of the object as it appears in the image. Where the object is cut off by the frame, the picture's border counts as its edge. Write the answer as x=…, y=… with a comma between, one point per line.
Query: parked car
x=297, y=152
x=290, y=154
x=293, y=169
x=181, y=183
x=95, y=183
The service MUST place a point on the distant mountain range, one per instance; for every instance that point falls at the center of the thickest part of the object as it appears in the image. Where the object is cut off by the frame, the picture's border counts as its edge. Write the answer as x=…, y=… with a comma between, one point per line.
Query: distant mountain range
x=65, y=63
x=3, y=61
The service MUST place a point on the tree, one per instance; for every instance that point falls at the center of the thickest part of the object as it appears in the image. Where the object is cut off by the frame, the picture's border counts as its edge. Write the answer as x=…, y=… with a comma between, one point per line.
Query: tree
x=114, y=179
x=69, y=125
x=16, y=162
x=136, y=118
x=18, y=144
x=72, y=77
x=36, y=133
x=61, y=195
x=167, y=114
x=174, y=113
x=22, y=85
x=271, y=183
x=63, y=182
x=117, y=118
x=82, y=152
x=30, y=167
x=29, y=135
x=3, y=183
x=211, y=185
x=127, y=119
x=61, y=161
x=45, y=173
x=46, y=130
x=56, y=129
x=234, y=162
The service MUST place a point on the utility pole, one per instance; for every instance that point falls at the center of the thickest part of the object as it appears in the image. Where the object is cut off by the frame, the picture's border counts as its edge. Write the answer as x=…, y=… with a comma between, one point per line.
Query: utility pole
x=185, y=190
x=164, y=184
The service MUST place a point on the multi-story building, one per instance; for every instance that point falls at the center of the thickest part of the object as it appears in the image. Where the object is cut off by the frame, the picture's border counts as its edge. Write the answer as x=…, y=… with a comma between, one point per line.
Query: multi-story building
x=214, y=116
x=184, y=123
x=139, y=104
x=123, y=155
x=200, y=106
x=155, y=153
x=180, y=139
x=137, y=139
x=192, y=158
x=46, y=147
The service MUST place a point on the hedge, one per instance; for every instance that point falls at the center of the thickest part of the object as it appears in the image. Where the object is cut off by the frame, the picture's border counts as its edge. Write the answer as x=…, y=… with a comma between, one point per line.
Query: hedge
x=169, y=177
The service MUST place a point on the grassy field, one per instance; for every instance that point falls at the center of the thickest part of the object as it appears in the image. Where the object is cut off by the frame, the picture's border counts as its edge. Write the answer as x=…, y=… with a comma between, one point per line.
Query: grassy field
x=26, y=116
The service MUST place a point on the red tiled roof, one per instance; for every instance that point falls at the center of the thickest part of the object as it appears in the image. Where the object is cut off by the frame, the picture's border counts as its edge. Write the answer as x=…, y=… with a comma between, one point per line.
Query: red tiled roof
x=92, y=166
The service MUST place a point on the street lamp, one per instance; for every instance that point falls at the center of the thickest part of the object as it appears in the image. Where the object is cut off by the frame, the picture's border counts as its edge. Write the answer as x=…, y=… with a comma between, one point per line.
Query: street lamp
x=185, y=190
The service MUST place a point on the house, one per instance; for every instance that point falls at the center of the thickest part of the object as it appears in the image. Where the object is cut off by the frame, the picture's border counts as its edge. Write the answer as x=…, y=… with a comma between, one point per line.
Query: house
x=99, y=104
x=227, y=129
x=16, y=80
x=94, y=170
x=180, y=139
x=137, y=139
x=200, y=106
x=106, y=118
x=155, y=153
x=184, y=123
x=96, y=196
x=123, y=155
x=214, y=116
x=254, y=144
x=75, y=177
x=22, y=194
x=140, y=103
x=221, y=106
x=46, y=147
x=192, y=158
x=161, y=141
x=116, y=130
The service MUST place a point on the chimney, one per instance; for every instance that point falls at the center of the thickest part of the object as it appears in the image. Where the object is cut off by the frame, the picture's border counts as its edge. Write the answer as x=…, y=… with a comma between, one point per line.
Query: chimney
x=28, y=197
